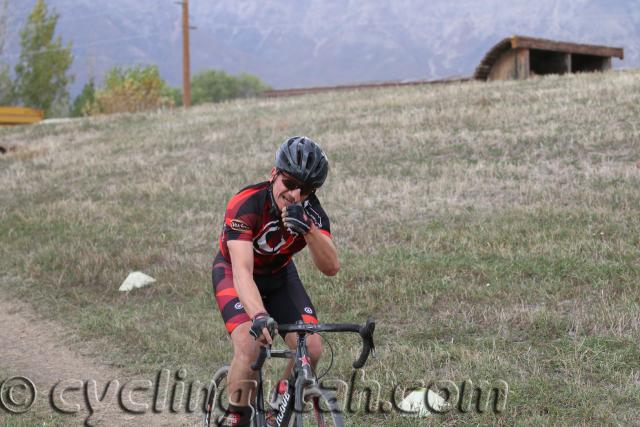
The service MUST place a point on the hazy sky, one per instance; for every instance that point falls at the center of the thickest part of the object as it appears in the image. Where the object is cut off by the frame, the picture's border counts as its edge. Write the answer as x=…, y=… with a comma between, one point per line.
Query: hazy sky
x=293, y=43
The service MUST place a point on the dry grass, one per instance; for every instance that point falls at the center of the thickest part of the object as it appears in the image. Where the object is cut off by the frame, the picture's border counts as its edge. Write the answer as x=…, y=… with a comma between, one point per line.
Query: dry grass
x=492, y=229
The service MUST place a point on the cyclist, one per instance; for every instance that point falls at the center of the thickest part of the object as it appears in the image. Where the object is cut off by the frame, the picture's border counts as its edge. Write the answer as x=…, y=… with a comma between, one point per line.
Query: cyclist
x=255, y=280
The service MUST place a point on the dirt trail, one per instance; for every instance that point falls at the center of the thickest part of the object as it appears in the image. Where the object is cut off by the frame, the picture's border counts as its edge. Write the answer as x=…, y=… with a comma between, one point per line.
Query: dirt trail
x=40, y=350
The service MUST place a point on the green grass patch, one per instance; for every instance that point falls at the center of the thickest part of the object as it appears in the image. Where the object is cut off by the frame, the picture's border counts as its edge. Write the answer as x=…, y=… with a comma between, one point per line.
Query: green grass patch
x=491, y=229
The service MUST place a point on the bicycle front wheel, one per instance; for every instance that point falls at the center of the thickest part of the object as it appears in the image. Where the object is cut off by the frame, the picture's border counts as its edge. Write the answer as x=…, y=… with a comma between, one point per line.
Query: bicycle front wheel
x=321, y=409
x=214, y=404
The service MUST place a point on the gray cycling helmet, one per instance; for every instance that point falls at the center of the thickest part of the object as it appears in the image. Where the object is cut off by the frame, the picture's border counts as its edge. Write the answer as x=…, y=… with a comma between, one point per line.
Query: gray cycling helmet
x=304, y=160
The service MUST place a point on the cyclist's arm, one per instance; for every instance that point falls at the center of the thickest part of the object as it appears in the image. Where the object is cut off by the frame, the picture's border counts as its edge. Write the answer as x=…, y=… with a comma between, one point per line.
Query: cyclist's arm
x=323, y=252
x=241, y=253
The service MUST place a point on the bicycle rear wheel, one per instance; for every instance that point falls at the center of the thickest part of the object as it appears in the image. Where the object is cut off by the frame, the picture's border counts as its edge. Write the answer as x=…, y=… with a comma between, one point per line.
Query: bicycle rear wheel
x=322, y=409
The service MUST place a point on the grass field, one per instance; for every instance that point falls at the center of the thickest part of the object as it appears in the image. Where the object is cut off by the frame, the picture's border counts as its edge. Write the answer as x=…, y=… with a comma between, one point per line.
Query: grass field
x=492, y=229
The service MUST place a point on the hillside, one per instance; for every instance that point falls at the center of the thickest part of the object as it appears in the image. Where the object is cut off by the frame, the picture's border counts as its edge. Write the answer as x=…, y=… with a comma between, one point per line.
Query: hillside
x=491, y=229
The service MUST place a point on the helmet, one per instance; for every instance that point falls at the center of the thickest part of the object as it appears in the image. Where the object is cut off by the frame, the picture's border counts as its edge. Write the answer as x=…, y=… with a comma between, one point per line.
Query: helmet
x=304, y=160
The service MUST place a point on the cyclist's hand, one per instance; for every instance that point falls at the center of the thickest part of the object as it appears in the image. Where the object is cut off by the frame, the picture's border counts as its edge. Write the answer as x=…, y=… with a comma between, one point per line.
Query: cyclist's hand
x=263, y=328
x=295, y=219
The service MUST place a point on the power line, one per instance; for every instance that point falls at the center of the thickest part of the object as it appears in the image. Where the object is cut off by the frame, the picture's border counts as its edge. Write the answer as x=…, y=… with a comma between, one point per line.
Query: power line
x=368, y=22
x=85, y=45
x=63, y=19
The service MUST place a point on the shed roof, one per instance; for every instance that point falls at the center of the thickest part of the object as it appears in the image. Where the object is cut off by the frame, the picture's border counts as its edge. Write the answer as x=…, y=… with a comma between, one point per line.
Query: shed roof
x=515, y=42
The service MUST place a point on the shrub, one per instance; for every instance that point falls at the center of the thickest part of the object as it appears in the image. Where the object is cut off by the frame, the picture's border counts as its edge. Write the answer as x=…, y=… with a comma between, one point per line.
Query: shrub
x=215, y=86
x=84, y=101
x=133, y=89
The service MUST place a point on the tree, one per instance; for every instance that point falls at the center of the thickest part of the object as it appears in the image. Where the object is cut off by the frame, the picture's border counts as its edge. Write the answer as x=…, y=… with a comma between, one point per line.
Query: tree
x=42, y=77
x=211, y=86
x=84, y=101
x=131, y=89
x=173, y=94
x=215, y=86
x=248, y=86
x=6, y=85
x=3, y=24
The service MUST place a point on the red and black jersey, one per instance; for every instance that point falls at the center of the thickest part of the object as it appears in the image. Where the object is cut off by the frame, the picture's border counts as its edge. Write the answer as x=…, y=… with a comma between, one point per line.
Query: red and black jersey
x=251, y=216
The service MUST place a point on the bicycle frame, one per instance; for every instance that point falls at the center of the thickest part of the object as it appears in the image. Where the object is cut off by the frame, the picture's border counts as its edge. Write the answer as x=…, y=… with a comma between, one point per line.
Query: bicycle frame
x=301, y=377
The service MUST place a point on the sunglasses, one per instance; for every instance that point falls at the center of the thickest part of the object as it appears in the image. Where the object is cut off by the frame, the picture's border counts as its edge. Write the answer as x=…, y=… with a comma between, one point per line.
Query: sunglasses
x=293, y=184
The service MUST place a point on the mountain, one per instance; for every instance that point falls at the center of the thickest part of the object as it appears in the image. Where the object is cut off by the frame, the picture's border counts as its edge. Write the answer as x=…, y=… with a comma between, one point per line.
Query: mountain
x=296, y=43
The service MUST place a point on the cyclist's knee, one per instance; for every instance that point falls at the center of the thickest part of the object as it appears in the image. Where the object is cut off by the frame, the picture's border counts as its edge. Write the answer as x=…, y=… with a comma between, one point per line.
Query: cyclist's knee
x=314, y=346
x=292, y=340
x=245, y=347
x=245, y=356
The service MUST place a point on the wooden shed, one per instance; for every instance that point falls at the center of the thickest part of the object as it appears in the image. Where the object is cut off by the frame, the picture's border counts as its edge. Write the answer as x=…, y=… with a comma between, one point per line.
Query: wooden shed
x=519, y=57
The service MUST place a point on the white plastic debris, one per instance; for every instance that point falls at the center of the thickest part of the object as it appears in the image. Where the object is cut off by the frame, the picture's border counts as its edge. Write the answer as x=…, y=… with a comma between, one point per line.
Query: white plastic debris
x=414, y=403
x=136, y=280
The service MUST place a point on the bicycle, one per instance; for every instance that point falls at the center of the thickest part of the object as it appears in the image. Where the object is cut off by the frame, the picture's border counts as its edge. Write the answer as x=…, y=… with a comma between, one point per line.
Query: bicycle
x=302, y=386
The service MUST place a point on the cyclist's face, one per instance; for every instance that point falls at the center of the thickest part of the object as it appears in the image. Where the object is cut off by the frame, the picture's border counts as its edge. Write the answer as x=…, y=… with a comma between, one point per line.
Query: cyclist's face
x=287, y=190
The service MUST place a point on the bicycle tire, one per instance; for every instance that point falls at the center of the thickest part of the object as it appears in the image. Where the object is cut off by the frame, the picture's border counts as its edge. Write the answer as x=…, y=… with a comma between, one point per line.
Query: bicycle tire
x=213, y=406
x=327, y=413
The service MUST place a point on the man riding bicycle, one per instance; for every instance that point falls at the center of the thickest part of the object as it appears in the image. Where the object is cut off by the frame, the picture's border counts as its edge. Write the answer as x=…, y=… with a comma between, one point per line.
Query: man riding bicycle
x=254, y=277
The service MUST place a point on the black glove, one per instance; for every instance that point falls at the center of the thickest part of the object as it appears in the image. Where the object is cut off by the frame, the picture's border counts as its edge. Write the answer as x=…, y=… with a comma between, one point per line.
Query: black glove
x=294, y=218
x=261, y=321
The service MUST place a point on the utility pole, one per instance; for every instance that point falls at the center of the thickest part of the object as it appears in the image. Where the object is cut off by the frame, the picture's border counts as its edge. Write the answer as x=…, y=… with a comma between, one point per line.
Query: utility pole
x=186, y=73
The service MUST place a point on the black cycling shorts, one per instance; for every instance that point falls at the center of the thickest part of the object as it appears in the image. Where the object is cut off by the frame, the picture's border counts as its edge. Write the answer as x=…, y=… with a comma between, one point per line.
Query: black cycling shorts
x=283, y=295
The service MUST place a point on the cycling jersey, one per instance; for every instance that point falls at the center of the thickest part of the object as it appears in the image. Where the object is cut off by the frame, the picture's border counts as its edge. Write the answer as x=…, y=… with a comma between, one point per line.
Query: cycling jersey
x=251, y=216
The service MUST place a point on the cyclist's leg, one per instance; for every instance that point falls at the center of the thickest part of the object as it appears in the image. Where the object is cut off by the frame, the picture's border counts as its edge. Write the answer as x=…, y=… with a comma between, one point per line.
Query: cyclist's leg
x=240, y=379
x=290, y=303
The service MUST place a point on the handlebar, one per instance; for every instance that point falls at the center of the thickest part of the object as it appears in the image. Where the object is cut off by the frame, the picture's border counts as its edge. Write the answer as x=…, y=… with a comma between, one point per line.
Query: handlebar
x=365, y=331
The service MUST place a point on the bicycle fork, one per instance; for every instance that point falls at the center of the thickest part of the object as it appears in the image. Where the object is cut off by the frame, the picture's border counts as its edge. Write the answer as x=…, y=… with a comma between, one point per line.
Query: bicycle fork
x=302, y=377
